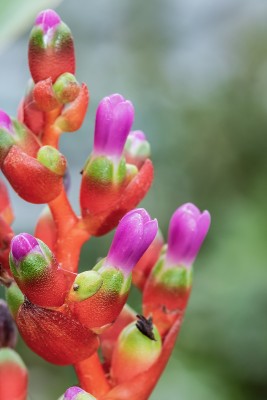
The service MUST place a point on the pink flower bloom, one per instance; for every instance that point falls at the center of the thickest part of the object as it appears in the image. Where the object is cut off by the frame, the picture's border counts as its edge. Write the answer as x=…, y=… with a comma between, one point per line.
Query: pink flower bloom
x=114, y=118
x=187, y=231
x=47, y=19
x=134, y=234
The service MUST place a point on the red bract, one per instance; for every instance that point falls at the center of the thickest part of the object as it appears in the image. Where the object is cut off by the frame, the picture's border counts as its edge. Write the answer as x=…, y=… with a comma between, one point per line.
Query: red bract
x=55, y=335
x=111, y=207
x=30, y=115
x=43, y=185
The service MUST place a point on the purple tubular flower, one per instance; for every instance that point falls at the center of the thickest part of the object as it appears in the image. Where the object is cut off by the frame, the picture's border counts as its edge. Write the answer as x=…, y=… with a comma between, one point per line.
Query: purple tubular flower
x=114, y=118
x=5, y=121
x=187, y=231
x=76, y=393
x=47, y=19
x=22, y=245
x=134, y=234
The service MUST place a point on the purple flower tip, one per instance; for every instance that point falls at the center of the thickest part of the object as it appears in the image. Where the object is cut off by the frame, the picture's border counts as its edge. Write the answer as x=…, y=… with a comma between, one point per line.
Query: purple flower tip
x=187, y=231
x=133, y=236
x=114, y=119
x=5, y=121
x=72, y=392
x=21, y=245
x=47, y=19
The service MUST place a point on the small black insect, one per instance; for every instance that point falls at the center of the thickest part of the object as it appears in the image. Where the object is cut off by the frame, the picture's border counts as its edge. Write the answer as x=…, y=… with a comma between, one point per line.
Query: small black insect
x=145, y=326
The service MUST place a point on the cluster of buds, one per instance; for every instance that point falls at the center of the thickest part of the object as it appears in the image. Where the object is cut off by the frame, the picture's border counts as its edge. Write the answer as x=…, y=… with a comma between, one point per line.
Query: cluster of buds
x=65, y=316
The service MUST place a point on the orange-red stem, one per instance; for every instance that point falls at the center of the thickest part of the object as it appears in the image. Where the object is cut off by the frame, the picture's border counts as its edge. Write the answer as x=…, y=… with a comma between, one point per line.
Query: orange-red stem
x=92, y=377
x=51, y=134
x=71, y=234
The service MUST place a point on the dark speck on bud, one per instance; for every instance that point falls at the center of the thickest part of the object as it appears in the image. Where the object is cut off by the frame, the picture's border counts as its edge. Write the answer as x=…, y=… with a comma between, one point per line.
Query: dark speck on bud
x=75, y=287
x=8, y=332
x=145, y=326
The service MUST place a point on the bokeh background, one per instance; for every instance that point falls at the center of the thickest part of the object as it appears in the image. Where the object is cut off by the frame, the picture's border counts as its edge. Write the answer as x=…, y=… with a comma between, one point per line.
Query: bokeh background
x=196, y=72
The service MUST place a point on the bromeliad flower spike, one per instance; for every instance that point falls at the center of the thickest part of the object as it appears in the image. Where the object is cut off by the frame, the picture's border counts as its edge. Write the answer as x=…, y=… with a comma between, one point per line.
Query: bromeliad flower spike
x=67, y=316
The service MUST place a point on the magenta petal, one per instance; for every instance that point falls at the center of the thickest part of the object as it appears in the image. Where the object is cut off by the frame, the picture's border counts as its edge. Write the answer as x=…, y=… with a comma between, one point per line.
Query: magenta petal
x=72, y=392
x=114, y=118
x=47, y=19
x=5, y=121
x=123, y=115
x=103, y=119
x=115, y=99
x=126, y=239
x=134, y=234
x=149, y=234
x=203, y=225
x=21, y=245
x=187, y=231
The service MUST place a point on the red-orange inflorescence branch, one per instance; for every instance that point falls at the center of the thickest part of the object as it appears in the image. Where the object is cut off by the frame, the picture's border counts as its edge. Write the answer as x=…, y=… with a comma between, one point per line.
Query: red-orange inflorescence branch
x=65, y=316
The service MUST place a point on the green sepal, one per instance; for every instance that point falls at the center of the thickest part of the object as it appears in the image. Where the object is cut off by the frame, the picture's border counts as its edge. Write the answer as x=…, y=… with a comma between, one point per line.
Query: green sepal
x=8, y=355
x=143, y=150
x=114, y=281
x=52, y=159
x=66, y=88
x=179, y=277
x=104, y=171
x=86, y=284
x=14, y=298
x=6, y=142
x=61, y=37
x=175, y=277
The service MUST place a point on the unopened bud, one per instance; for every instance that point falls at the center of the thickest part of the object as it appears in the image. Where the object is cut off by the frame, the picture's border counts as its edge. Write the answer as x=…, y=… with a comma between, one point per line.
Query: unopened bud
x=66, y=88
x=44, y=96
x=73, y=114
x=36, y=271
x=52, y=159
x=137, y=349
x=137, y=148
x=51, y=49
x=13, y=376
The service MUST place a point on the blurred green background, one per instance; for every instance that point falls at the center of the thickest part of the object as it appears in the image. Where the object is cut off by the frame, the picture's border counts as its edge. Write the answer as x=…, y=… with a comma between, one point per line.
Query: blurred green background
x=196, y=72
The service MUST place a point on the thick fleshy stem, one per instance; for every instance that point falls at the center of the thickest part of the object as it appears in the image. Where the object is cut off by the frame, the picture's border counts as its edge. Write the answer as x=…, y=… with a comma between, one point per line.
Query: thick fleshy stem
x=70, y=233
x=51, y=134
x=92, y=376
